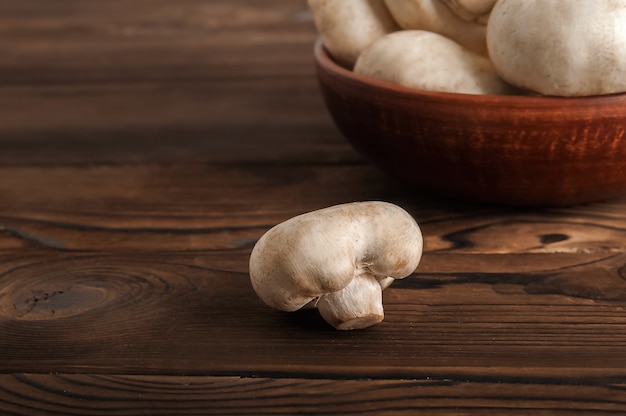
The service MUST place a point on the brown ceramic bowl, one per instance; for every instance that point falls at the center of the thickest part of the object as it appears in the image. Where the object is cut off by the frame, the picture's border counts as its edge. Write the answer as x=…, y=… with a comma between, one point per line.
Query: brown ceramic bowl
x=513, y=150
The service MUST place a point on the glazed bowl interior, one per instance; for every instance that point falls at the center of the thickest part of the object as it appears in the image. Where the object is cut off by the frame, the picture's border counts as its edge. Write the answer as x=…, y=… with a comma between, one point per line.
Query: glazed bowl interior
x=511, y=150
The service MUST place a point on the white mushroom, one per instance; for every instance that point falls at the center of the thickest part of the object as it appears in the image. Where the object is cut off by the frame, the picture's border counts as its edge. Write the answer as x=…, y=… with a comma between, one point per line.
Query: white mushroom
x=429, y=61
x=338, y=259
x=347, y=27
x=471, y=10
x=560, y=47
x=436, y=16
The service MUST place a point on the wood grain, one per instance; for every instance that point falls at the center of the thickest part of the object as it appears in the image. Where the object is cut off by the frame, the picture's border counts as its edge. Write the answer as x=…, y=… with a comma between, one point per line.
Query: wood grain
x=149, y=81
x=145, y=146
x=538, y=290
x=162, y=395
x=194, y=313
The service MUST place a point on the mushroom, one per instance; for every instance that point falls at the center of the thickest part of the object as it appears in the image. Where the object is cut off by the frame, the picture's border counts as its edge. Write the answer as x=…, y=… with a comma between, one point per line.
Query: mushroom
x=338, y=259
x=560, y=47
x=347, y=27
x=429, y=61
x=436, y=16
x=471, y=10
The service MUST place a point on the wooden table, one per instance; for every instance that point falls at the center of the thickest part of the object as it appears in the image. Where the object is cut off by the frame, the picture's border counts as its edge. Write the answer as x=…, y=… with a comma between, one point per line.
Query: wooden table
x=145, y=145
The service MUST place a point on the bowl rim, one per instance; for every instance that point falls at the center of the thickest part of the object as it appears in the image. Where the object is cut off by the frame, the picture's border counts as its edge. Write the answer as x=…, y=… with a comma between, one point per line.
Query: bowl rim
x=325, y=61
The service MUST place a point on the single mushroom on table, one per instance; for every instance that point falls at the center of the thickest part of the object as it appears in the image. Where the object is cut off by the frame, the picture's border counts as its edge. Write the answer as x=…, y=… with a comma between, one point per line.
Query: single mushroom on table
x=338, y=259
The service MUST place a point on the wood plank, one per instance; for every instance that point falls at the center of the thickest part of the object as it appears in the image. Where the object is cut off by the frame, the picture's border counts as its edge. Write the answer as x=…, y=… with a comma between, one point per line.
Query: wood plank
x=196, y=313
x=219, y=206
x=76, y=42
x=159, y=122
x=128, y=82
x=34, y=395
x=189, y=207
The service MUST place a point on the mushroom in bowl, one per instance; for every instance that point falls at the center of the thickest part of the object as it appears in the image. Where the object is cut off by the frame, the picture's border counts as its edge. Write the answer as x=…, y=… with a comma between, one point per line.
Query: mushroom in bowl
x=523, y=150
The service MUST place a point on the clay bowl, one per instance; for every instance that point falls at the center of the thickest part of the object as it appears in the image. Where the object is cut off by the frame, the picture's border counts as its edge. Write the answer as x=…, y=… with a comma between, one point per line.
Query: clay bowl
x=511, y=150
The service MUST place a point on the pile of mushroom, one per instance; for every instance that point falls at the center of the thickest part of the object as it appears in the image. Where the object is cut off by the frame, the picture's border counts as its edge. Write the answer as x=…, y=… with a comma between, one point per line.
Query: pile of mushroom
x=338, y=260
x=556, y=47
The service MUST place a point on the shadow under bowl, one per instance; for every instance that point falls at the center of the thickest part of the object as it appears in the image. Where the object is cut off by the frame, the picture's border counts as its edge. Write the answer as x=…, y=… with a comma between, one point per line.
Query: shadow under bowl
x=508, y=150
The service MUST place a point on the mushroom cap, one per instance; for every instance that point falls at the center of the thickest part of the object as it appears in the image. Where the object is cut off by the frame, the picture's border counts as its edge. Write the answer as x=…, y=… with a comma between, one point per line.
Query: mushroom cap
x=560, y=47
x=471, y=10
x=430, y=61
x=321, y=252
x=436, y=16
x=347, y=27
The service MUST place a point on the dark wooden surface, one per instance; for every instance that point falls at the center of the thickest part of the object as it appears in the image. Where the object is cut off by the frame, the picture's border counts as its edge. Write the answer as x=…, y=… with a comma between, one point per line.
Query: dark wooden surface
x=146, y=144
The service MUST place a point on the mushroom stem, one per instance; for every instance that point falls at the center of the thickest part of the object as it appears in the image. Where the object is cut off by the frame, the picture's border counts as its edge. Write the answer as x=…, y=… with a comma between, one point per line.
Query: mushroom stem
x=356, y=306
